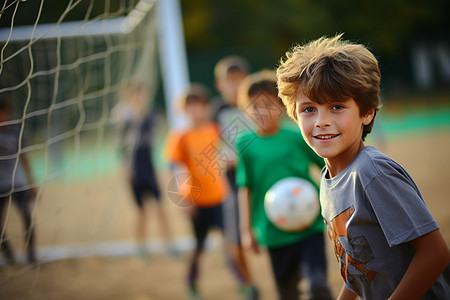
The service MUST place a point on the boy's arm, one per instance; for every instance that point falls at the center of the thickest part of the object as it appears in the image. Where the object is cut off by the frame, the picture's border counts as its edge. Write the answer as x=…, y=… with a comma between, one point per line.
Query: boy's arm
x=346, y=294
x=248, y=238
x=186, y=204
x=431, y=258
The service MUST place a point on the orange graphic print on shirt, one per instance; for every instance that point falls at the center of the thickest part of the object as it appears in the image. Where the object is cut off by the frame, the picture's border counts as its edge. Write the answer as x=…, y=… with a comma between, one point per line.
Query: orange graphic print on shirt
x=354, y=252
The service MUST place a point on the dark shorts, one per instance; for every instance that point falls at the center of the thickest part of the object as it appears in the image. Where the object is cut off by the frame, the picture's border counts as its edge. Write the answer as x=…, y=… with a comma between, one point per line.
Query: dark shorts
x=303, y=259
x=142, y=189
x=22, y=199
x=145, y=179
x=205, y=219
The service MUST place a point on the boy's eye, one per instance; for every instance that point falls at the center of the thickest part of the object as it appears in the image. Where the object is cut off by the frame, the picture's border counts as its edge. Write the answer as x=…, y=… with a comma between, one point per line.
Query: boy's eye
x=308, y=109
x=337, y=107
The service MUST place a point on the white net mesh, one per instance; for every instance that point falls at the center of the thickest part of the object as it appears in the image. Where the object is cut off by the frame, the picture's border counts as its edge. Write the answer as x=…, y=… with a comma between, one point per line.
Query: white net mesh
x=59, y=83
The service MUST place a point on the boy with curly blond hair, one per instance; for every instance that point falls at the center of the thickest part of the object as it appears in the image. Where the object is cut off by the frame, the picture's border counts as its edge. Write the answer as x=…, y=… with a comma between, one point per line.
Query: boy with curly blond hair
x=388, y=244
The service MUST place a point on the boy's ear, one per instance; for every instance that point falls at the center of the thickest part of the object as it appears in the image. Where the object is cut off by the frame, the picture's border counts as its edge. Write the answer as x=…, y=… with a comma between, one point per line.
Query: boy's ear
x=369, y=116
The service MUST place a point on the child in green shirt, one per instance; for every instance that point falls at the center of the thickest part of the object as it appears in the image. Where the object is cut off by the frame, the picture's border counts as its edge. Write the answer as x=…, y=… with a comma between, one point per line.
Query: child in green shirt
x=270, y=154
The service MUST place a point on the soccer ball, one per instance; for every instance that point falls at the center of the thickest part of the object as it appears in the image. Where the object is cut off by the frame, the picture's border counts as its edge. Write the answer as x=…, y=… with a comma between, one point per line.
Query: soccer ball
x=292, y=204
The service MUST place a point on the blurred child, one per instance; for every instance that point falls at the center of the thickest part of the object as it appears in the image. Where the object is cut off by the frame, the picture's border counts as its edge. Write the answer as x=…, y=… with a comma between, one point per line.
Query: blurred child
x=198, y=150
x=271, y=154
x=229, y=73
x=388, y=244
x=15, y=181
x=137, y=125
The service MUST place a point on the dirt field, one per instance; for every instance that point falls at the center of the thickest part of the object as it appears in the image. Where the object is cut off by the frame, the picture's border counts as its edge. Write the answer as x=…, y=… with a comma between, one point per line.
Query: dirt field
x=71, y=215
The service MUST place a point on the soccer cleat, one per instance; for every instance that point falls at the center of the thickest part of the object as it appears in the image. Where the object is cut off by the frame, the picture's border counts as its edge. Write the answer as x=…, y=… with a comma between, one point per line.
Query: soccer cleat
x=249, y=292
x=193, y=291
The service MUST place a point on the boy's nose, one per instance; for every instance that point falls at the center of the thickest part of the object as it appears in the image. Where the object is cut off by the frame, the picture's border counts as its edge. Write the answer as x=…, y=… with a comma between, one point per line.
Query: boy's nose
x=322, y=120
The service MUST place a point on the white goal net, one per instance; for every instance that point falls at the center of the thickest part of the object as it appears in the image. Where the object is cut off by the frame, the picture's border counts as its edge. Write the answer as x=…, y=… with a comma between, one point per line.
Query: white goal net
x=59, y=83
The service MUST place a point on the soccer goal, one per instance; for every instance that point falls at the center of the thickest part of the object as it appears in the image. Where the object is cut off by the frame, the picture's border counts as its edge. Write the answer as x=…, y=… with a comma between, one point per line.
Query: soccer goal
x=60, y=83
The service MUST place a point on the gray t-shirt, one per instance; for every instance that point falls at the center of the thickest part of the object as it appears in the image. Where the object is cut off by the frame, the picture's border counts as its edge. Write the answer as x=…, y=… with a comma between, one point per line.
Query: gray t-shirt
x=233, y=122
x=372, y=210
x=9, y=146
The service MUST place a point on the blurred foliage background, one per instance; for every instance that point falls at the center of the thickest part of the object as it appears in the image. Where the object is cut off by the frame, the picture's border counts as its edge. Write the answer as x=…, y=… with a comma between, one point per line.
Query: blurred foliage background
x=264, y=30
x=399, y=32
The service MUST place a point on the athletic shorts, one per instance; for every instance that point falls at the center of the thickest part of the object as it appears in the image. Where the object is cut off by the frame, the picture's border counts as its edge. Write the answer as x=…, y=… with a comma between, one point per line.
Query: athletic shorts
x=141, y=189
x=205, y=219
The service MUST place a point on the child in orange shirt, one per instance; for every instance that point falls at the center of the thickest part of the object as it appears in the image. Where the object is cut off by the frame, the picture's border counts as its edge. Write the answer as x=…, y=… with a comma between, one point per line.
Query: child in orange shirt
x=205, y=188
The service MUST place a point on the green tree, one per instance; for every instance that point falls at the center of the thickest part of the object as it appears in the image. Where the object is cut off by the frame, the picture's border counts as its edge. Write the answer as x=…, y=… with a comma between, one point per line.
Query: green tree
x=384, y=24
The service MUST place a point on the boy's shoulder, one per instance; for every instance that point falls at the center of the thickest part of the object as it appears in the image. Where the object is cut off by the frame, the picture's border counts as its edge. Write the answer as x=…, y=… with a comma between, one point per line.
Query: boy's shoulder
x=371, y=162
x=286, y=133
x=366, y=166
x=244, y=139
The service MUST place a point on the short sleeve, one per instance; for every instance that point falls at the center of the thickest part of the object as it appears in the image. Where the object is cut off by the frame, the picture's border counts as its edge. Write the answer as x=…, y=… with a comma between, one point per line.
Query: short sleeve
x=399, y=208
x=174, y=147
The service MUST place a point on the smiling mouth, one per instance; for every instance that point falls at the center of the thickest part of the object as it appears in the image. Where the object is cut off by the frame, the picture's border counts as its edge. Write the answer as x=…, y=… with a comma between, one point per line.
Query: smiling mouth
x=325, y=136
